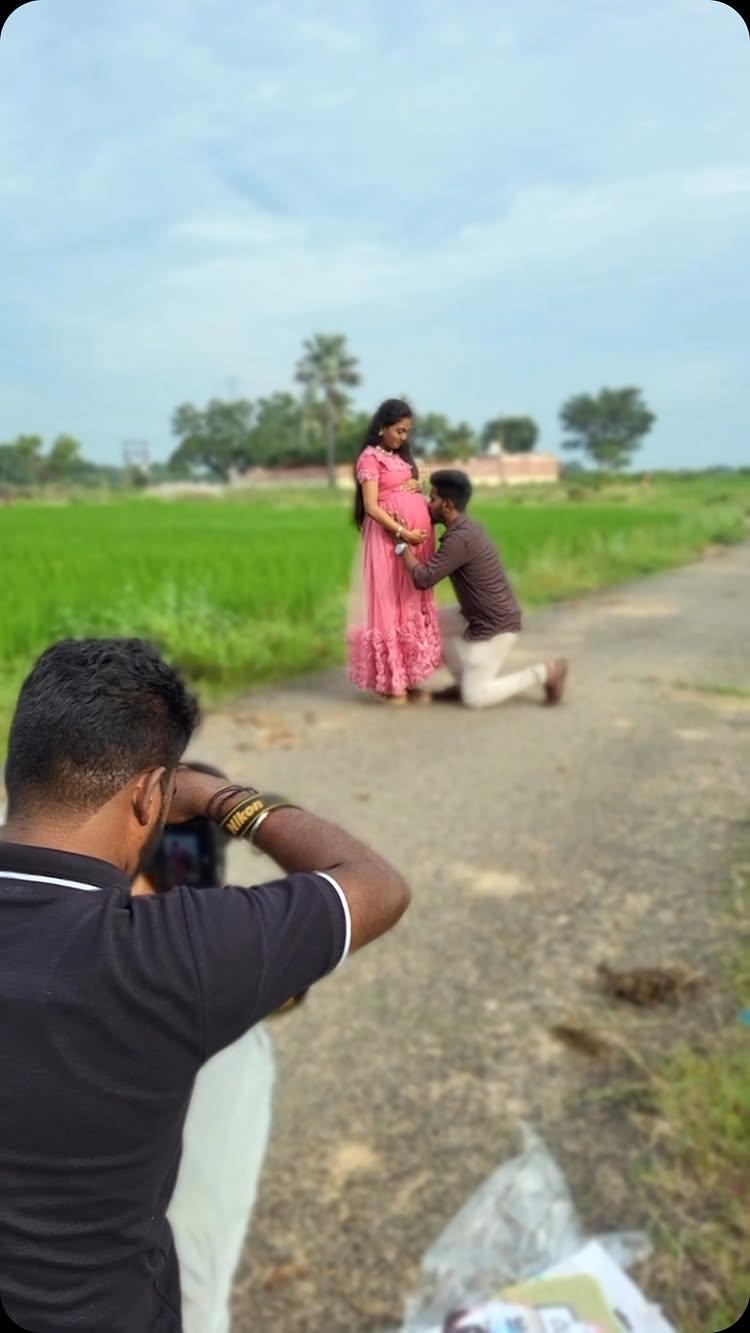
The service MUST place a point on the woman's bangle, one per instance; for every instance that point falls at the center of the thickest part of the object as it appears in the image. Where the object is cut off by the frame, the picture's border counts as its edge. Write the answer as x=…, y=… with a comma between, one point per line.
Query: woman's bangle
x=398, y=532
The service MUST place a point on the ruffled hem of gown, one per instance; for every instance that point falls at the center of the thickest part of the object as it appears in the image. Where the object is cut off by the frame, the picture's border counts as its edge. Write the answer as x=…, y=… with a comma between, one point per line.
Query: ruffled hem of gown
x=393, y=661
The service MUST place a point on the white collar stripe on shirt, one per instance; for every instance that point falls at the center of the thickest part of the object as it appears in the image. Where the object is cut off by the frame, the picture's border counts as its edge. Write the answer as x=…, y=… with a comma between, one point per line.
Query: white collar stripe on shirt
x=48, y=879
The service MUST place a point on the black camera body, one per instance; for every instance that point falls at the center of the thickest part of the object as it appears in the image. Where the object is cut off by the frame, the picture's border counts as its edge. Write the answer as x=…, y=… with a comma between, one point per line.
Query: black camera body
x=192, y=853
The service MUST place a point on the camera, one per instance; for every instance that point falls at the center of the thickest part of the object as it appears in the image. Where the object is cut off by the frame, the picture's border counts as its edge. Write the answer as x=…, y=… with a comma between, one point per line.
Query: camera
x=193, y=853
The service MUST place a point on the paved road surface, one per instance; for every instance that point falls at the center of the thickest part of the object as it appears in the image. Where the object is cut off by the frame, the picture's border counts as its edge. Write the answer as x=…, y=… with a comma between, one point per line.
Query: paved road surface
x=538, y=842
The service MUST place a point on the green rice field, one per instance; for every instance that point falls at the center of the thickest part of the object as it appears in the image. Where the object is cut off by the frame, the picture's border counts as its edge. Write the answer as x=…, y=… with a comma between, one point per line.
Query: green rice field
x=248, y=590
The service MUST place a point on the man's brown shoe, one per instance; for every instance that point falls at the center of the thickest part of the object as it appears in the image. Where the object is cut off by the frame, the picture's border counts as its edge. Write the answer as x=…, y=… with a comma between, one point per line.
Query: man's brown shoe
x=555, y=682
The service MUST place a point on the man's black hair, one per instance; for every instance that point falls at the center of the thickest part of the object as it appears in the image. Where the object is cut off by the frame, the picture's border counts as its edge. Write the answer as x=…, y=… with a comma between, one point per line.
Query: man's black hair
x=454, y=485
x=91, y=715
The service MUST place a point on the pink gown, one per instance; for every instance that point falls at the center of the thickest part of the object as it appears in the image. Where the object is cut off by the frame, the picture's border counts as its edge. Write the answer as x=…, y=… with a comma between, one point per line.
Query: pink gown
x=394, y=644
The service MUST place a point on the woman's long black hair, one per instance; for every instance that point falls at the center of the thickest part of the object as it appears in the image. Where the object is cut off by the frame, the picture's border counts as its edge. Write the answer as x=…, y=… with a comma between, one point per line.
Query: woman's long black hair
x=389, y=412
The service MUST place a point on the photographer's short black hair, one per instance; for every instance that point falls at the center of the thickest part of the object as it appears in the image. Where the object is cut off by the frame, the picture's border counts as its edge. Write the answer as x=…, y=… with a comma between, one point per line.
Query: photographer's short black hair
x=454, y=485
x=91, y=715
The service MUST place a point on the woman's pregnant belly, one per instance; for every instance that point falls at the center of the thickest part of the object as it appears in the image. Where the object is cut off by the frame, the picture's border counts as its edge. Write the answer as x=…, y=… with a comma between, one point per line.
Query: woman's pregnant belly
x=409, y=506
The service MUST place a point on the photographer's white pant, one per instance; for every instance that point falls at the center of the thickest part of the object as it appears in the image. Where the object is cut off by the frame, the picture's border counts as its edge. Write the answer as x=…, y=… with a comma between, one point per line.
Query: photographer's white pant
x=224, y=1143
x=475, y=663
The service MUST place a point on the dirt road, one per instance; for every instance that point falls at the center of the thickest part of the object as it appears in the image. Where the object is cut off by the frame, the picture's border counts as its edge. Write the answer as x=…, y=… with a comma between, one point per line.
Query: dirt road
x=538, y=842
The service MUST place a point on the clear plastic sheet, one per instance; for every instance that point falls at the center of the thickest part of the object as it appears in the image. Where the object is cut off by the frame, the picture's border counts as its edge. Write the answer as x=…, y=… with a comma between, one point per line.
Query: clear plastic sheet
x=519, y=1222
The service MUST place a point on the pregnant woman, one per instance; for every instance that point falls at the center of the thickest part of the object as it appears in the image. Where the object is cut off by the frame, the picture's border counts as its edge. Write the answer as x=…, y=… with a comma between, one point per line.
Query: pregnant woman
x=394, y=638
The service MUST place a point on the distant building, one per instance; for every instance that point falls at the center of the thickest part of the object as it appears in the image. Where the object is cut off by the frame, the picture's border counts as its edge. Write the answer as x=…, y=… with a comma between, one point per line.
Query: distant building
x=498, y=469
x=489, y=469
x=502, y=469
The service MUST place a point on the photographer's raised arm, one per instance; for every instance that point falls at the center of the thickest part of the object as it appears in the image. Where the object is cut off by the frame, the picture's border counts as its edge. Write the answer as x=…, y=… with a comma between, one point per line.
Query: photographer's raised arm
x=376, y=892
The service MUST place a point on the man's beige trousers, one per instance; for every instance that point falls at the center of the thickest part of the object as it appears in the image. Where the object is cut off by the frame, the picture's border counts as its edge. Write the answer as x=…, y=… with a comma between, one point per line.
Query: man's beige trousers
x=475, y=664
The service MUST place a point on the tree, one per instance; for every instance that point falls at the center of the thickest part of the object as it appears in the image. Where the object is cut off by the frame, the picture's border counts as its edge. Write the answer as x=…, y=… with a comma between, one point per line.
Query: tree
x=214, y=439
x=457, y=442
x=608, y=427
x=63, y=459
x=351, y=436
x=21, y=460
x=430, y=433
x=517, y=435
x=23, y=463
x=277, y=438
x=325, y=371
x=11, y=466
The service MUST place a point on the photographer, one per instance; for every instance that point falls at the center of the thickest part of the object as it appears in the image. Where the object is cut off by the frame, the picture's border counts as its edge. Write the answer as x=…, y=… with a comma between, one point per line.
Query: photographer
x=110, y=1003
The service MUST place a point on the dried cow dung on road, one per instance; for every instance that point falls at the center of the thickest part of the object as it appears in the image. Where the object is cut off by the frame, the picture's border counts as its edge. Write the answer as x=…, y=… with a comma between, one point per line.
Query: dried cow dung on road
x=650, y=985
x=585, y=1040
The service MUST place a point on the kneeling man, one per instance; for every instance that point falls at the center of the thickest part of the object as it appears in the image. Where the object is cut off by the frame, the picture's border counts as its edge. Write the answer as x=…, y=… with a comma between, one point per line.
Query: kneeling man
x=479, y=633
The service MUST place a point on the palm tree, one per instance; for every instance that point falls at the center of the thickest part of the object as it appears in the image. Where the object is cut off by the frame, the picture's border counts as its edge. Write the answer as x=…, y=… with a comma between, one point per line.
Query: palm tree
x=328, y=368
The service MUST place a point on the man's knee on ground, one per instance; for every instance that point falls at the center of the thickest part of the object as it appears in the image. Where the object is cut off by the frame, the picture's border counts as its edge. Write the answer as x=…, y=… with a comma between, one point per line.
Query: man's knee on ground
x=472, y=694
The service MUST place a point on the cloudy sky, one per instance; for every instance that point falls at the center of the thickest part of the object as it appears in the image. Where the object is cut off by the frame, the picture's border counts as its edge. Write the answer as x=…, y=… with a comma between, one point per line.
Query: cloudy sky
x=500, y=202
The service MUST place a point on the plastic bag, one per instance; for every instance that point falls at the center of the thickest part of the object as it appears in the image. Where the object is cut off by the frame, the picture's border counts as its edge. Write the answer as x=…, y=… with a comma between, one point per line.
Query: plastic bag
x=520, y=1221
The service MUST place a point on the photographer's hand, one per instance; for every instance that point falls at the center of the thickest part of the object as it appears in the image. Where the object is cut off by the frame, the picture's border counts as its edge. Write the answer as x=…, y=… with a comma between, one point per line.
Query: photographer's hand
x=194, y=792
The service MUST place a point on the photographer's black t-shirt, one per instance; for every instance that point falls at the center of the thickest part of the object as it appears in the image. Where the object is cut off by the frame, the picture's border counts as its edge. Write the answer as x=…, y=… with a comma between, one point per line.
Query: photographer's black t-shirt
x=109, y=1005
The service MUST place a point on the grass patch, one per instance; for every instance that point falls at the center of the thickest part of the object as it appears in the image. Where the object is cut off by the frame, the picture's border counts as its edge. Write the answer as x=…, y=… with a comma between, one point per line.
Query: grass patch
x=697, y=1188
x=248, y=589
x=721, y=689
x=690, y=1183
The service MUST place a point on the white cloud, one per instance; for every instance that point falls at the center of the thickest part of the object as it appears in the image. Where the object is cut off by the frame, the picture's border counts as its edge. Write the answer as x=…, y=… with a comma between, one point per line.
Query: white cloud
x=240, y=232
x=719, y=181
